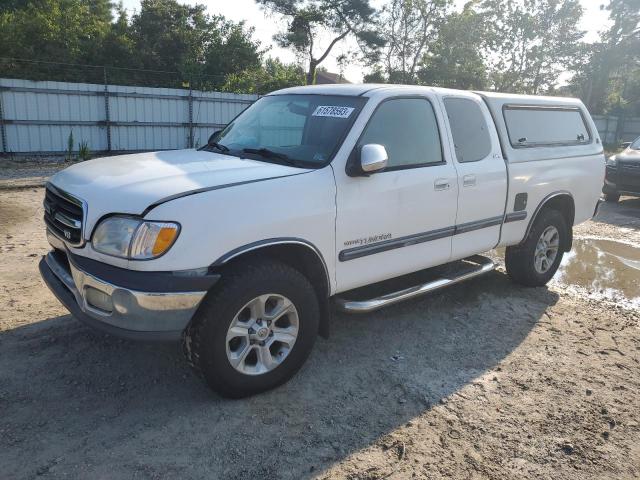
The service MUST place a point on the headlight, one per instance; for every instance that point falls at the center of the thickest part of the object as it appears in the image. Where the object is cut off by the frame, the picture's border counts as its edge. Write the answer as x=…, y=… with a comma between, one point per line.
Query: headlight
x=612, y=161
x=129, y=237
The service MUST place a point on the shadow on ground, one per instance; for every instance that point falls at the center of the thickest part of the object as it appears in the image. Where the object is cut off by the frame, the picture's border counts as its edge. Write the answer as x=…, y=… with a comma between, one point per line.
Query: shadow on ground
x=77, y=403
x=625, y=213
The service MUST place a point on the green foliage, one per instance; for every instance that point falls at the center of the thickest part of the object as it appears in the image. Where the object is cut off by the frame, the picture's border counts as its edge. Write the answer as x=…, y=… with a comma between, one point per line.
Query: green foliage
x=409, y=29
x=84, y=152
x=307, y=20
x=273, y=75
x=69, y=153
x=454, y=60
x=609, y=80
x=164, y=35
x=52, y=30
x=522, y=46
x=530, y=42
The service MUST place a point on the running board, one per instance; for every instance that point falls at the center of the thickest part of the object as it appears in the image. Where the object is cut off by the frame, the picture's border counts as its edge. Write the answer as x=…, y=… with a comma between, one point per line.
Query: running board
x=484, y=265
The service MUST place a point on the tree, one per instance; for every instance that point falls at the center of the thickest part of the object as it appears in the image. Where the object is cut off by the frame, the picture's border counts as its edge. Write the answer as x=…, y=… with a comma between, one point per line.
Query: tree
x=609, y=81
x=306, y=19
x=230, y=49
x=455, y=59
x=52, y=30
x=272, y=75
x=532, y=42
x=181, y=38
x=164, y=36
x=117, y=46
x=169, y=36
x=409, y=29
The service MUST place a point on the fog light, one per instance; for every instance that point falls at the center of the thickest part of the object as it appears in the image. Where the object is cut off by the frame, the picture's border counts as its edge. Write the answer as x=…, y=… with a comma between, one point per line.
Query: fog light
x=98, y=299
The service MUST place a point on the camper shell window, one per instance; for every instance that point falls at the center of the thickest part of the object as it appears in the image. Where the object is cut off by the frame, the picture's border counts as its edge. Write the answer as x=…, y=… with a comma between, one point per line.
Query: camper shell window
x=541, y=126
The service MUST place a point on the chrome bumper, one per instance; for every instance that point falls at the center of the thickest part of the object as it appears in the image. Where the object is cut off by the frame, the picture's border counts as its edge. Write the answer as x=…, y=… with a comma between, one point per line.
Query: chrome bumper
x=122, y=312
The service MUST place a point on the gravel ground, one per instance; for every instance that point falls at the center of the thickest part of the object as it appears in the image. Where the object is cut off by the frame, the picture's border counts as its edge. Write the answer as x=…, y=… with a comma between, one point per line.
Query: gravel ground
x=27, y=173
x=483, y=380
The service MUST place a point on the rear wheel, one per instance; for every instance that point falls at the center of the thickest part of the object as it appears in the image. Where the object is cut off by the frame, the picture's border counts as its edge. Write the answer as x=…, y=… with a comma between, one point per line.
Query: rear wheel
x=534, y=262
x=612, y=197
x=255, y=331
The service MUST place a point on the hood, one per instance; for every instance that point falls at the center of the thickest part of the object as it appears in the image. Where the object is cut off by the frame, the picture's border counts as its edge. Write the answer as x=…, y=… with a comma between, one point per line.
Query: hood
x=629, y=154
x=131, y=183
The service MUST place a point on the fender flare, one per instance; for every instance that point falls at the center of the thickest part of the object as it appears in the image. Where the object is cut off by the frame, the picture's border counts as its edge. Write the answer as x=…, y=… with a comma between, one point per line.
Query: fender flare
x=236, y=252
x=539, y=208
x=325, y=309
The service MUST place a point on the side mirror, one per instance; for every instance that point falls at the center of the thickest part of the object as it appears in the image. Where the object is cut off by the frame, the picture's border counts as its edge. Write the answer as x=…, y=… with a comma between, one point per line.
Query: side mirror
x=626, y=144
x=373, y=158
x=212, y=137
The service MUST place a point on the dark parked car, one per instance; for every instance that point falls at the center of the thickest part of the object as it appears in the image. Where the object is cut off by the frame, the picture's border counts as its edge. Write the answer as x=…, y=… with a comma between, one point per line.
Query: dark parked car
x=623, y=173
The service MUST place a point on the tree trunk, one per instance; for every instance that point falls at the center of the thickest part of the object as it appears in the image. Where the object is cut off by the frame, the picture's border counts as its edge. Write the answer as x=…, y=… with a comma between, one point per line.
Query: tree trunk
x=311, y=74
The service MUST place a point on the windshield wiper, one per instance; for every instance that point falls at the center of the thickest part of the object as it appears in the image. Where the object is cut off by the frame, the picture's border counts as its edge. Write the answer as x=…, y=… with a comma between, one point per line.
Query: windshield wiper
x=217, y=146
x=266, y=153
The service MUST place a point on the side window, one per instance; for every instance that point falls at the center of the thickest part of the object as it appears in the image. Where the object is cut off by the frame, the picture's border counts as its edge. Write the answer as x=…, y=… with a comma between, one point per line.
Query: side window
x=469, y=129
x=408, y=129
x=539, y=126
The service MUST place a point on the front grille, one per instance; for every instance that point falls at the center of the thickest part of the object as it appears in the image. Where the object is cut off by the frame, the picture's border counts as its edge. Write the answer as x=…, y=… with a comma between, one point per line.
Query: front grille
x=630, y=168
x=63, y=215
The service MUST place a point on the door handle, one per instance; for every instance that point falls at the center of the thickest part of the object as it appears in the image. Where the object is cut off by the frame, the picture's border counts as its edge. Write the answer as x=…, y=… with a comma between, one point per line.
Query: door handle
x=441, y=184
x=469, y=180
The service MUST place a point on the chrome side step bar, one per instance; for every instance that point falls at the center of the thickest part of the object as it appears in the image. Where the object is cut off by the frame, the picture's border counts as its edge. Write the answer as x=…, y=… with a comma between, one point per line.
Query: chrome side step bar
x=485, y=265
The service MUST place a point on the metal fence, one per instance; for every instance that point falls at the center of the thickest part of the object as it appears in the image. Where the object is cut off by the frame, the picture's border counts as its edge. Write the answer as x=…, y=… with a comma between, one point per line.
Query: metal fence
x=614, y=130
x=37, y=118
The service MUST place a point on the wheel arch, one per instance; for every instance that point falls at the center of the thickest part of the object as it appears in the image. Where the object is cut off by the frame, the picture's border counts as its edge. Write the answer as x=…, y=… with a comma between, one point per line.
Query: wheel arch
x=295, y=252
x=561, y=201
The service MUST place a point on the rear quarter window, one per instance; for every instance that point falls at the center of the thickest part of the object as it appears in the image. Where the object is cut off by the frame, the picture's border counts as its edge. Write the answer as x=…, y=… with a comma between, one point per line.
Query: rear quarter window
x=539, y=126
x=469, y=129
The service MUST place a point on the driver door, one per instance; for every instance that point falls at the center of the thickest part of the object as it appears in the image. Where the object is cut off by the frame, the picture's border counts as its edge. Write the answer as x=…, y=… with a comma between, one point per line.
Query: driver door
x=401, y=219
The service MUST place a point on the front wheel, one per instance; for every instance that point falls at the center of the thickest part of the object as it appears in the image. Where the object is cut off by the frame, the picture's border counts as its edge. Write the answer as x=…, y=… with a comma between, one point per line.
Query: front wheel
x=255, y=331
x=534, y=262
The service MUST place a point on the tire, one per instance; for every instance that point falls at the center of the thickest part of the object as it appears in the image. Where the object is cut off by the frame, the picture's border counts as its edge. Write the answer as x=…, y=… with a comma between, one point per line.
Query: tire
x=612, y=197
x=520, y=260
x=209, y=350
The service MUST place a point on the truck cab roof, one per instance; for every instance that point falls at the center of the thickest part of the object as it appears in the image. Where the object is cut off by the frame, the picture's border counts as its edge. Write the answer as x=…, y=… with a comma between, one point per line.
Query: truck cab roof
x=500, y=106
x=368, y=89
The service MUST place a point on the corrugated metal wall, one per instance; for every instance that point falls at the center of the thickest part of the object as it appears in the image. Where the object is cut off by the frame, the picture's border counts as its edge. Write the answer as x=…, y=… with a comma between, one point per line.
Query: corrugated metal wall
x=612, y=130
x=37, y=117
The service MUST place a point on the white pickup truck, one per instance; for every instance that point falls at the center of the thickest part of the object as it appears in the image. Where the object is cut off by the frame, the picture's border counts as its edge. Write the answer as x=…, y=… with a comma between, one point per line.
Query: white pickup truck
x=240, y=248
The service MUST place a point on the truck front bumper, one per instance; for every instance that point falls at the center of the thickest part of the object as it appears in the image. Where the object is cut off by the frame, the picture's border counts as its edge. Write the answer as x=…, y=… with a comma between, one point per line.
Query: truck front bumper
x=121, y=310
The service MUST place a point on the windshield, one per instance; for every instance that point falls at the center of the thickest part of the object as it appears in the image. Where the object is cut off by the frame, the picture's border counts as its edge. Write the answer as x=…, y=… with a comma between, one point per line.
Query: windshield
x=300, y=130
x=636, y=144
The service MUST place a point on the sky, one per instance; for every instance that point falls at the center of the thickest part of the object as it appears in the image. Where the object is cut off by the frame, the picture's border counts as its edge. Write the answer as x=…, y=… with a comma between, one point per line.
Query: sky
x=593, y=21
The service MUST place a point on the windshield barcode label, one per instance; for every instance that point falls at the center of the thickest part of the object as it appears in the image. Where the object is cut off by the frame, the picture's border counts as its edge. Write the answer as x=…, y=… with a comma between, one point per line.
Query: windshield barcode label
x=332, y=111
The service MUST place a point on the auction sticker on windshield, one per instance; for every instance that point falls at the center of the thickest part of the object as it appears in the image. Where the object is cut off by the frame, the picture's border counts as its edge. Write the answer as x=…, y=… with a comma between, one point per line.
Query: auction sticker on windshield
x=332, y=111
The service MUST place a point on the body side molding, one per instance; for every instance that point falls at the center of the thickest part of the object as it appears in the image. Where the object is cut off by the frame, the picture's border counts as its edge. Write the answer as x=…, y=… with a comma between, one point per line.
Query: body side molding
x=478, y=224
x=386, y=245
x=515, y=216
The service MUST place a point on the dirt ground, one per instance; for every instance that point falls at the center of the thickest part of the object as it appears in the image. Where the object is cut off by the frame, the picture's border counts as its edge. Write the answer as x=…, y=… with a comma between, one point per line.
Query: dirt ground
x=483, y=380
x=24, y=173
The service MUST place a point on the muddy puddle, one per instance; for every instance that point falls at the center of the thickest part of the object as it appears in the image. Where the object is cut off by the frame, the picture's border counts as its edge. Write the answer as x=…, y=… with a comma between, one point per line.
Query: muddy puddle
x=604, y=268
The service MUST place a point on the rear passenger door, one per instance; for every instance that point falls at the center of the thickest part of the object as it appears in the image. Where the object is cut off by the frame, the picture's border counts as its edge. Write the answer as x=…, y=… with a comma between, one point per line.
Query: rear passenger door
x=482, y=175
